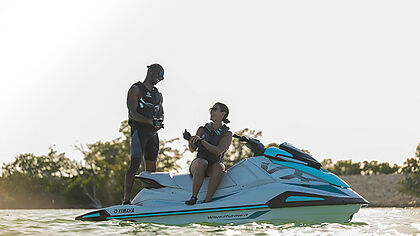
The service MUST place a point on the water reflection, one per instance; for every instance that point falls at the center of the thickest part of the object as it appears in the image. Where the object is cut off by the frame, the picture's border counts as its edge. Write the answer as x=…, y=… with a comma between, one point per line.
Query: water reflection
x=369, y=221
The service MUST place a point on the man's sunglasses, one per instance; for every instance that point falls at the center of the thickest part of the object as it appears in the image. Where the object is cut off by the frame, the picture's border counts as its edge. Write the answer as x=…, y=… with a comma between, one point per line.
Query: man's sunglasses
x=213, y=109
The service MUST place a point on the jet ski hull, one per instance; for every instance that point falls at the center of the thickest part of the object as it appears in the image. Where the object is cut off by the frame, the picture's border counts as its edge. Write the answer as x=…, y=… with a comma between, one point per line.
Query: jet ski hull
x=274, y=188
x=228, y=215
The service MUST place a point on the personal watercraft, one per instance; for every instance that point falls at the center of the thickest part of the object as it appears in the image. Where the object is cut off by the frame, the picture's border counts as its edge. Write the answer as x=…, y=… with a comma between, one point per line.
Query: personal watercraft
x=281, y=184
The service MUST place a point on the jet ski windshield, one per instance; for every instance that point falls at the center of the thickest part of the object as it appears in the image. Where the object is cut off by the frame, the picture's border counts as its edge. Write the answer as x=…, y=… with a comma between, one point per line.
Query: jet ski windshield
x=300, y=155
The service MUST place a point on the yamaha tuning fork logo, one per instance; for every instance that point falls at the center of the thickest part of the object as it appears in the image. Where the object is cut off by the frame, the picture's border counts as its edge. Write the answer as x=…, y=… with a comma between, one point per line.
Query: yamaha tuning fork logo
x=124, y=210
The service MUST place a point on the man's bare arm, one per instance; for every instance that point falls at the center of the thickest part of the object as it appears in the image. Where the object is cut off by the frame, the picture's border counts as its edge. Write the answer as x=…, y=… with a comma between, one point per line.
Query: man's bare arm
x=161, y=113
x=132, y=105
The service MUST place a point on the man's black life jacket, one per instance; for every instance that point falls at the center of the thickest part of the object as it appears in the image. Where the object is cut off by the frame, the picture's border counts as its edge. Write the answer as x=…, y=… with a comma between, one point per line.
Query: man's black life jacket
x=213, y=137
x=148, y=104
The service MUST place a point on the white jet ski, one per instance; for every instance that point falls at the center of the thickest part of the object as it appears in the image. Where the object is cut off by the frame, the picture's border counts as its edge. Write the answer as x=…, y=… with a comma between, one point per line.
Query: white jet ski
x=277, y=185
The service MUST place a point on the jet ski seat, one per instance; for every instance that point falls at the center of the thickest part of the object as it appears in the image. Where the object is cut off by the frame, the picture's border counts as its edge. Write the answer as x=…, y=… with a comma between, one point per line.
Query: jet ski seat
x=157, y=179
x=185, y=182
x=182, y=181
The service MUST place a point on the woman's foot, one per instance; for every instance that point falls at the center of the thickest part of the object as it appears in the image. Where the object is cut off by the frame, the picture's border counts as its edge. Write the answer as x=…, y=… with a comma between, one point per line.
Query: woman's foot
x=192, y=201
x=205, y=201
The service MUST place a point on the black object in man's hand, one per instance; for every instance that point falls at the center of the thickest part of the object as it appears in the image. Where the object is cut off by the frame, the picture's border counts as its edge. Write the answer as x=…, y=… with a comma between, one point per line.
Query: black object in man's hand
x=158, y=124
x=186, y=135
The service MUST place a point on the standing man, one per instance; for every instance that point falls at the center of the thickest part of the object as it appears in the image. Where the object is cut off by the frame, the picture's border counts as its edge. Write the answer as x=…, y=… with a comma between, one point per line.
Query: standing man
x=145, y=113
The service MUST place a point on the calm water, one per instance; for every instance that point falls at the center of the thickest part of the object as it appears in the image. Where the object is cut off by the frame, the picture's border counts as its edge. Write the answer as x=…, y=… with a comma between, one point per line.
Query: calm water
x=369, y=221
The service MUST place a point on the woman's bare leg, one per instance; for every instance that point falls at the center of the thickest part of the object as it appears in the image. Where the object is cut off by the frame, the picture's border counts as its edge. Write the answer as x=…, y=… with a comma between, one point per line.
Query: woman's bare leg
x=198, y=170
x=215, y=172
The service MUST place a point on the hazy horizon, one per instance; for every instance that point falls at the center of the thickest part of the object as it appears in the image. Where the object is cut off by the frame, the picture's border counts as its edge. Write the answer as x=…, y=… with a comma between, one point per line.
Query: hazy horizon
x=340, y=79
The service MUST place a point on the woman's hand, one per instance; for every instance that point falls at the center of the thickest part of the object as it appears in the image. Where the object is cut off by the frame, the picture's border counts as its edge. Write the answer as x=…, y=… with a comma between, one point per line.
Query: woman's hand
x=195, y=139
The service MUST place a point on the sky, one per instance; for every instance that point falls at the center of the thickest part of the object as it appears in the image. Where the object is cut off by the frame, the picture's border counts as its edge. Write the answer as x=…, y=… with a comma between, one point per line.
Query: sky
x=338, y=78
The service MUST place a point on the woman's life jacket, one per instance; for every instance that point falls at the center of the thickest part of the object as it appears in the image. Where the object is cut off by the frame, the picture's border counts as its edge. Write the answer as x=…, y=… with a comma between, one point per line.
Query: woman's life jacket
x=148, y=104
x=213, y=137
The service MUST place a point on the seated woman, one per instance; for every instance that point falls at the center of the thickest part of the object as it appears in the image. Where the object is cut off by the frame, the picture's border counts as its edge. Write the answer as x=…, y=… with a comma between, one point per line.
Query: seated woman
x=212, y=141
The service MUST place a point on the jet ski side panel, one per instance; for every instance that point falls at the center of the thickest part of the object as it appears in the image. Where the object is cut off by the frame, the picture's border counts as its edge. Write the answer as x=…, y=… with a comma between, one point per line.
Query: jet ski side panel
x=247, y=175
x=322, y=174
x=241, y=214
x=297, y=199
x=311, y=166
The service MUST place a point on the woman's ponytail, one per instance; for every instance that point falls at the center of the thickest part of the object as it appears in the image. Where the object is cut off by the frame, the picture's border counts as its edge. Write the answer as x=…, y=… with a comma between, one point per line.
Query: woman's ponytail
x=226, y=120
x=224, y=108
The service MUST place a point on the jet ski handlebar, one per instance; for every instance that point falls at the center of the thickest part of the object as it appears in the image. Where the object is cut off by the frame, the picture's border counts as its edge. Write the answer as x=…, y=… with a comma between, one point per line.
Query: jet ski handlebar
x=254, y=144
x=241, y=138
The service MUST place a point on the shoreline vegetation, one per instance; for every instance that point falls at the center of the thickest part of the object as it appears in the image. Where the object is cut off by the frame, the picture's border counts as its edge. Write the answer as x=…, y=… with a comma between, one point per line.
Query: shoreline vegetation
x=53, y=181
x=381, y=190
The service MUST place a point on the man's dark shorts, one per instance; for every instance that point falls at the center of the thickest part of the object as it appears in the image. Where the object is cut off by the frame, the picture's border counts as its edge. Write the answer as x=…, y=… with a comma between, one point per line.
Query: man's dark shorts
x=144, y=142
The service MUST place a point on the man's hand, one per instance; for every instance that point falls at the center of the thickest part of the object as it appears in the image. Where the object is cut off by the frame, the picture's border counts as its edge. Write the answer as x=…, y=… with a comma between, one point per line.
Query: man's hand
x=158, y=124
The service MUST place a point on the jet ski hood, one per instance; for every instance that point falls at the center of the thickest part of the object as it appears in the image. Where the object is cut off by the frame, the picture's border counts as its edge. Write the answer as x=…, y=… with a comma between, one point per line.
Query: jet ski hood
x=287, y=152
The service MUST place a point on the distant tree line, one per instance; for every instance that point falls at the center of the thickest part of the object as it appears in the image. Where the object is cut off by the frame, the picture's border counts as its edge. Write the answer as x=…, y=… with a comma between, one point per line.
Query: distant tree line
x=55, y=181
x=348, y=167
x=411, y=183
x=410, y=169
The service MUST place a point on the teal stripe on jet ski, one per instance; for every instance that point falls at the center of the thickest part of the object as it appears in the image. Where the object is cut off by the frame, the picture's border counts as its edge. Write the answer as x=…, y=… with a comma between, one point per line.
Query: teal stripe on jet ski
x=217, y=198
x=327, y=176
x=256, y=214
x=187, y=212
x=327, y=188
x=302, y=198
x=91, y=215
x=252, y=216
